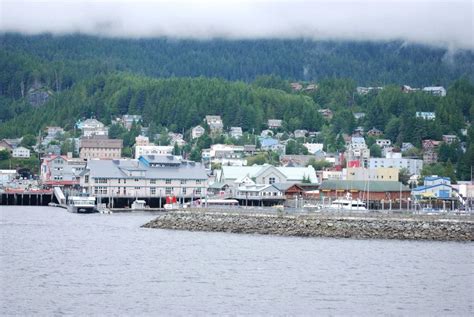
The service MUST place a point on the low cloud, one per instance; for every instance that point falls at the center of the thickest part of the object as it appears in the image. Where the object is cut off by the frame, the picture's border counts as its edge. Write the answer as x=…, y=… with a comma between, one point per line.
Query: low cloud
x=447, y=24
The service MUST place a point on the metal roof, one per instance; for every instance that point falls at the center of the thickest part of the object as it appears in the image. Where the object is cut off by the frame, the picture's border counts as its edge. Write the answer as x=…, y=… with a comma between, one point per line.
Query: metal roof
x=373, y=186
x=117, y=168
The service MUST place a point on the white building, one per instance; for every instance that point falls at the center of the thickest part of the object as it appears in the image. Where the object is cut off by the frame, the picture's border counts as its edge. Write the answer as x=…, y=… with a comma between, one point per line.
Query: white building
x=150, y=176
x=21, y=152
x=60, y=170
x=313, y=147
x=142, y=140
x=274, y=123
x=142, y=150
x=215, y=124
x=413, y=166
x=224, y=154
x=93, y=127
x=197, y=132
x=264, y=175
x=435, y=91
x=426, y=115
x=383, y=142
x=236, y=132
x=300, y=133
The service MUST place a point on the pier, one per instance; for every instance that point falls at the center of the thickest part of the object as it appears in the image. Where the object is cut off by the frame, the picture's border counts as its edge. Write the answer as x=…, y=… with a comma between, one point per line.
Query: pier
x=26, y=198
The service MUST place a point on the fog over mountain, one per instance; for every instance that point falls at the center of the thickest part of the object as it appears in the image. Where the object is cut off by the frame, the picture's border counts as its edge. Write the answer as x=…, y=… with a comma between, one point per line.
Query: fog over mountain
x=447, y=24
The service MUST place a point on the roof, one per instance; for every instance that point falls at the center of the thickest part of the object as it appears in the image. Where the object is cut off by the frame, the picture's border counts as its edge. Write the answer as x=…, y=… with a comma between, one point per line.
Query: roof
x=295, y=174
x=433, y=178
x=422, y=188
x=117, y=169
x=372, y=186
x=102, y=143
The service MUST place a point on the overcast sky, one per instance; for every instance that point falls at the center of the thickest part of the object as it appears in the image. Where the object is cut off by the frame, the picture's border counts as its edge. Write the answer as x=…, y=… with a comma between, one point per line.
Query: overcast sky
x=446, y=23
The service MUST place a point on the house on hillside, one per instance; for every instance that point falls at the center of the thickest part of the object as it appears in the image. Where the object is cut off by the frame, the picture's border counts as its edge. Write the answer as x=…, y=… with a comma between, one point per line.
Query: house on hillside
x=236, y=132
x=430, y=151
x=425, y=115
x=21, y=152
x=374, y=132
x=274, y=123
x=197, y=132
x=435, y=91
x=215, y=124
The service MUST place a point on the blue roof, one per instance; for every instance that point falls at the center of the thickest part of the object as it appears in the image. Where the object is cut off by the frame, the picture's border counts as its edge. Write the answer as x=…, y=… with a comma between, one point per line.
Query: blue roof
x=432, y=178
x=268, y=141
x=420, y=188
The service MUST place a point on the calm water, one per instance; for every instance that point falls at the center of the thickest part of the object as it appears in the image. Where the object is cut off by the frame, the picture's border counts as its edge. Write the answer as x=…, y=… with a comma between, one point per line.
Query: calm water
x=55, y=263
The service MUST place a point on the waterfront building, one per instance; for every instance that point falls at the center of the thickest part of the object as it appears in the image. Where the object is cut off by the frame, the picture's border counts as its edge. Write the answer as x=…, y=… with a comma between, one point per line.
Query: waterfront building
x=264, y=175
x=434, y=187
x=377, y=192
x=61, y=170
x=149, y=176
x=6, y=176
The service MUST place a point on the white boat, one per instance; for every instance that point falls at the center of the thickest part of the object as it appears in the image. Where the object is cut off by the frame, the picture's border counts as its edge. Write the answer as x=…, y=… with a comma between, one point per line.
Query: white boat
x=79, y=204
x=348, y=203
x=138, y=205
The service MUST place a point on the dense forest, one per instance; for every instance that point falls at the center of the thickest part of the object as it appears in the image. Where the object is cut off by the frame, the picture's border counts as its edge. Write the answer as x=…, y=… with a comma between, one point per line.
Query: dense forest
x=62, y=60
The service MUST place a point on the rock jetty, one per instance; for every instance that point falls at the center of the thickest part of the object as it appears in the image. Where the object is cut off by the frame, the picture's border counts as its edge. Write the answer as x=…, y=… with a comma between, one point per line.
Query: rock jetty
x=361, y=226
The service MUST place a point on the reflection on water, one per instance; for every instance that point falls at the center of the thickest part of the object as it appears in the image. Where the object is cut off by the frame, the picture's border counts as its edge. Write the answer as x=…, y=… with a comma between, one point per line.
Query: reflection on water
x=54, y=263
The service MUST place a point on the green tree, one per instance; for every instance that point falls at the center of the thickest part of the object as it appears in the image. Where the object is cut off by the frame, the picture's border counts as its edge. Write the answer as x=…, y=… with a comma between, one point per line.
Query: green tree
x=28, y=141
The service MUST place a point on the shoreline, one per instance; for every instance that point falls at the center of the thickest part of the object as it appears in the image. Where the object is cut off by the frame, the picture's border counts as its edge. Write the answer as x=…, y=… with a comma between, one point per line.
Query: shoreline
x=330, y=225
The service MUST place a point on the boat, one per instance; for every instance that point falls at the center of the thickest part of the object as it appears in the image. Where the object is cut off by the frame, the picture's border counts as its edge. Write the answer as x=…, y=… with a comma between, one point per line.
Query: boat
x=138, y=204
x=347, y=203
x=80, y=204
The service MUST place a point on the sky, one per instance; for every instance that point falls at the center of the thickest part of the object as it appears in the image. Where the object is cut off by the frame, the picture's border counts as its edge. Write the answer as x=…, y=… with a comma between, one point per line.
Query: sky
x=447, y=23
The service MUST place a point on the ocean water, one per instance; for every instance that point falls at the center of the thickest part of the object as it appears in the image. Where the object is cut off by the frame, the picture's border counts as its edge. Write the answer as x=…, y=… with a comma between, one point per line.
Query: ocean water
x=56, y=263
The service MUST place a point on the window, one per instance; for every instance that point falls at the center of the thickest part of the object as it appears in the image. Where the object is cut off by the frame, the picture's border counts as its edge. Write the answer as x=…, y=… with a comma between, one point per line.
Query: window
x=153, y=190
x=183, y=182
x=136, y=179
x=86, y=179
x=271, y=180
x=119, y=180
x=169, y=190
x=137, y=188
x=198, y=191
x=152, y=181
x=184, y=190
x=198, y=181
x=168, y=181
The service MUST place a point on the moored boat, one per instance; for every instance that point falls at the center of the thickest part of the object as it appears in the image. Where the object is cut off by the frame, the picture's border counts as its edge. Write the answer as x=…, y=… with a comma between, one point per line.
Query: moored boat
x=79, y=204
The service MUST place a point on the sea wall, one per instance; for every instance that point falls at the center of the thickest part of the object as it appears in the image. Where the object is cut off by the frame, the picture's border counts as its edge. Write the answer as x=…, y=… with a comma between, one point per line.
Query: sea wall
x=363, y=226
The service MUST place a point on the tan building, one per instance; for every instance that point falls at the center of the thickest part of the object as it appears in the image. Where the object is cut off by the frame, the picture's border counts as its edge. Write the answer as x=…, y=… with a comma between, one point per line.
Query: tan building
x=101, y=148
x=375, y=174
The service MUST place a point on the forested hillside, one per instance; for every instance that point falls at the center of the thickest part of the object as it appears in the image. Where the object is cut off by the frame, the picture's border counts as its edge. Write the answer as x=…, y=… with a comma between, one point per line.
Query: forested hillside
x=64, y=59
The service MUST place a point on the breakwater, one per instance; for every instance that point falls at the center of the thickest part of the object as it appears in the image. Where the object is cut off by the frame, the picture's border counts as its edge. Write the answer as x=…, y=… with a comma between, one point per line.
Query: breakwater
x=361, y=226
